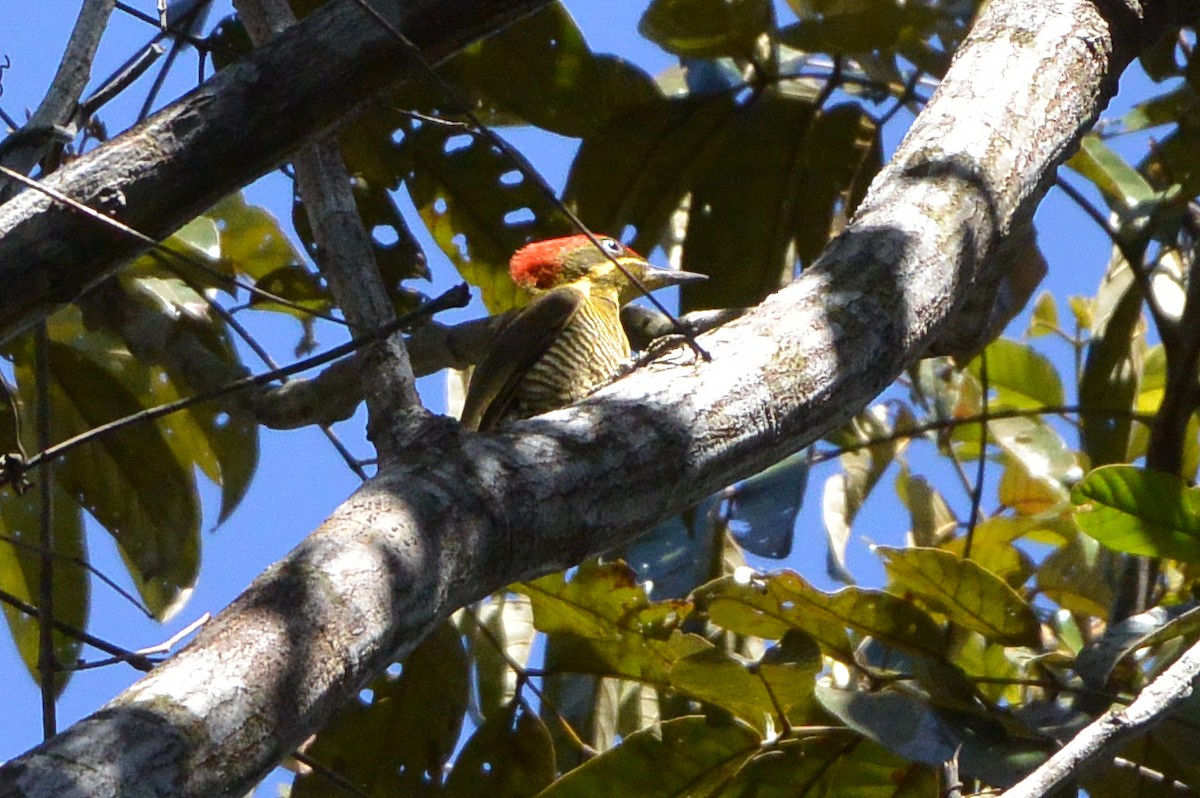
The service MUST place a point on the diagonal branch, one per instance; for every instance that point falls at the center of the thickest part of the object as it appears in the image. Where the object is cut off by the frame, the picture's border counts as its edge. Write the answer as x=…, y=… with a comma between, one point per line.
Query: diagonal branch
x=238, y=125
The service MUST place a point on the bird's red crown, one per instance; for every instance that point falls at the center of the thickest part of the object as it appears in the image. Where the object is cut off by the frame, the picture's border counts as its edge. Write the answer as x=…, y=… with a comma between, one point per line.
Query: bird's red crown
x=539, y=264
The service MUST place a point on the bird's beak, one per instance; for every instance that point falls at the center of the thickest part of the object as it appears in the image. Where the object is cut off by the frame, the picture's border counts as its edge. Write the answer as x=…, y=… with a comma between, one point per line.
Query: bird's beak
x=655, y=278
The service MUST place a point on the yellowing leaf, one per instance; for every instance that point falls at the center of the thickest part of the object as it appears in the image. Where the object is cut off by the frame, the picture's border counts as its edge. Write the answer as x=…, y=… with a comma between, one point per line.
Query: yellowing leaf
x=963, y=591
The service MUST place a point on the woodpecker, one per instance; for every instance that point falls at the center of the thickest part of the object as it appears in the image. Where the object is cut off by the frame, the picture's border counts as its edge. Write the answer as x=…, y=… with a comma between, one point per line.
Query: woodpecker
x=568, y=340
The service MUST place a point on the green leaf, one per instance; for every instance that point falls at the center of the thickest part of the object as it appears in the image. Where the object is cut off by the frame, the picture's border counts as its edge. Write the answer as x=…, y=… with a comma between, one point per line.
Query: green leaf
x=509, y=756
x=21, y=569
x=1080, y=576
x=863, y=466
x=688, y=757
x=1038, y=448
x=541, y=69
x=847, y=26
x=781, y=177
x=132, y=481
x=835, y=764
x=1123, y=186
x=396, y=739
x=397, y=254
x=635, y=171
x=771, y=606
x=504, y=620
x=1044, y=319
x=706, y=28
x=1138, y=511
x=1111, y=371
x=458, y=185
x=963, y=591
x=604, y=624
x=252, y=240
x=910, y=727
x=931, y=518
x=1021, y=377
x=298, y=286
x=752, y=691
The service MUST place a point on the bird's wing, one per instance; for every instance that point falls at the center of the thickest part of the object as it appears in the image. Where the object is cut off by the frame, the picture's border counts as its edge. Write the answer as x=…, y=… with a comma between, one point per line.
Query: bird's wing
x=518, y=345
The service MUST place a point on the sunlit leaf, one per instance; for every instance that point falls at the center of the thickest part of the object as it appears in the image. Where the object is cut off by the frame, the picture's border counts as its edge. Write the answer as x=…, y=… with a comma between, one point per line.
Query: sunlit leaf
x=1121, y=184
x=1020, y=376
x=604, y=624
x=1138, y=511
x=753, y=691
x=21, y=570
x=132, y=481
x=1044, y=319
x=963, y=591
x=772, y=606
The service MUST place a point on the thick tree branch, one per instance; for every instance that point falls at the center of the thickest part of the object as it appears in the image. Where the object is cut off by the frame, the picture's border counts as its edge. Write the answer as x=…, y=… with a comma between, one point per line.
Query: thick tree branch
x=236, y=126
x=457, y=515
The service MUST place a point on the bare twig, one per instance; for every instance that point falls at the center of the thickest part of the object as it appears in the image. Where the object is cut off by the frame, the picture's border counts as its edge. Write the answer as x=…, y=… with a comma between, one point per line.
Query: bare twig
x=345, y=254
x=58, y=109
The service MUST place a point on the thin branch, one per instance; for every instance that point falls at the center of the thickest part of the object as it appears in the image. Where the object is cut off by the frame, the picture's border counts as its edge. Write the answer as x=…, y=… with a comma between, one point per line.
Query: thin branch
x=58, y=109
x=47, y=657
x=85, y=565
x=1164, y=325
x=265, y=356
x=160, y=250
x=455, y=297
x=159, y=648
x=345, y=254
x=940, y=424
x=976, y=515
x=134, y=659
x=1114, y=729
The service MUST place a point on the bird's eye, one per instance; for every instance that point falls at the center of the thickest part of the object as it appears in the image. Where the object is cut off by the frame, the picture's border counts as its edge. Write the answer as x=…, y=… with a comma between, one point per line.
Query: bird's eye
x=612, y=246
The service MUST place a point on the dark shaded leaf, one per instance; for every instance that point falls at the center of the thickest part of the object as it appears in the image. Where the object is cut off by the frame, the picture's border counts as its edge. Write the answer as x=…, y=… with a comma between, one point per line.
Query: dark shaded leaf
x=509, y=756
x=398, y=737
x=908, y=726
x=706, y=28
x=683, y=758
x=764, y=507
